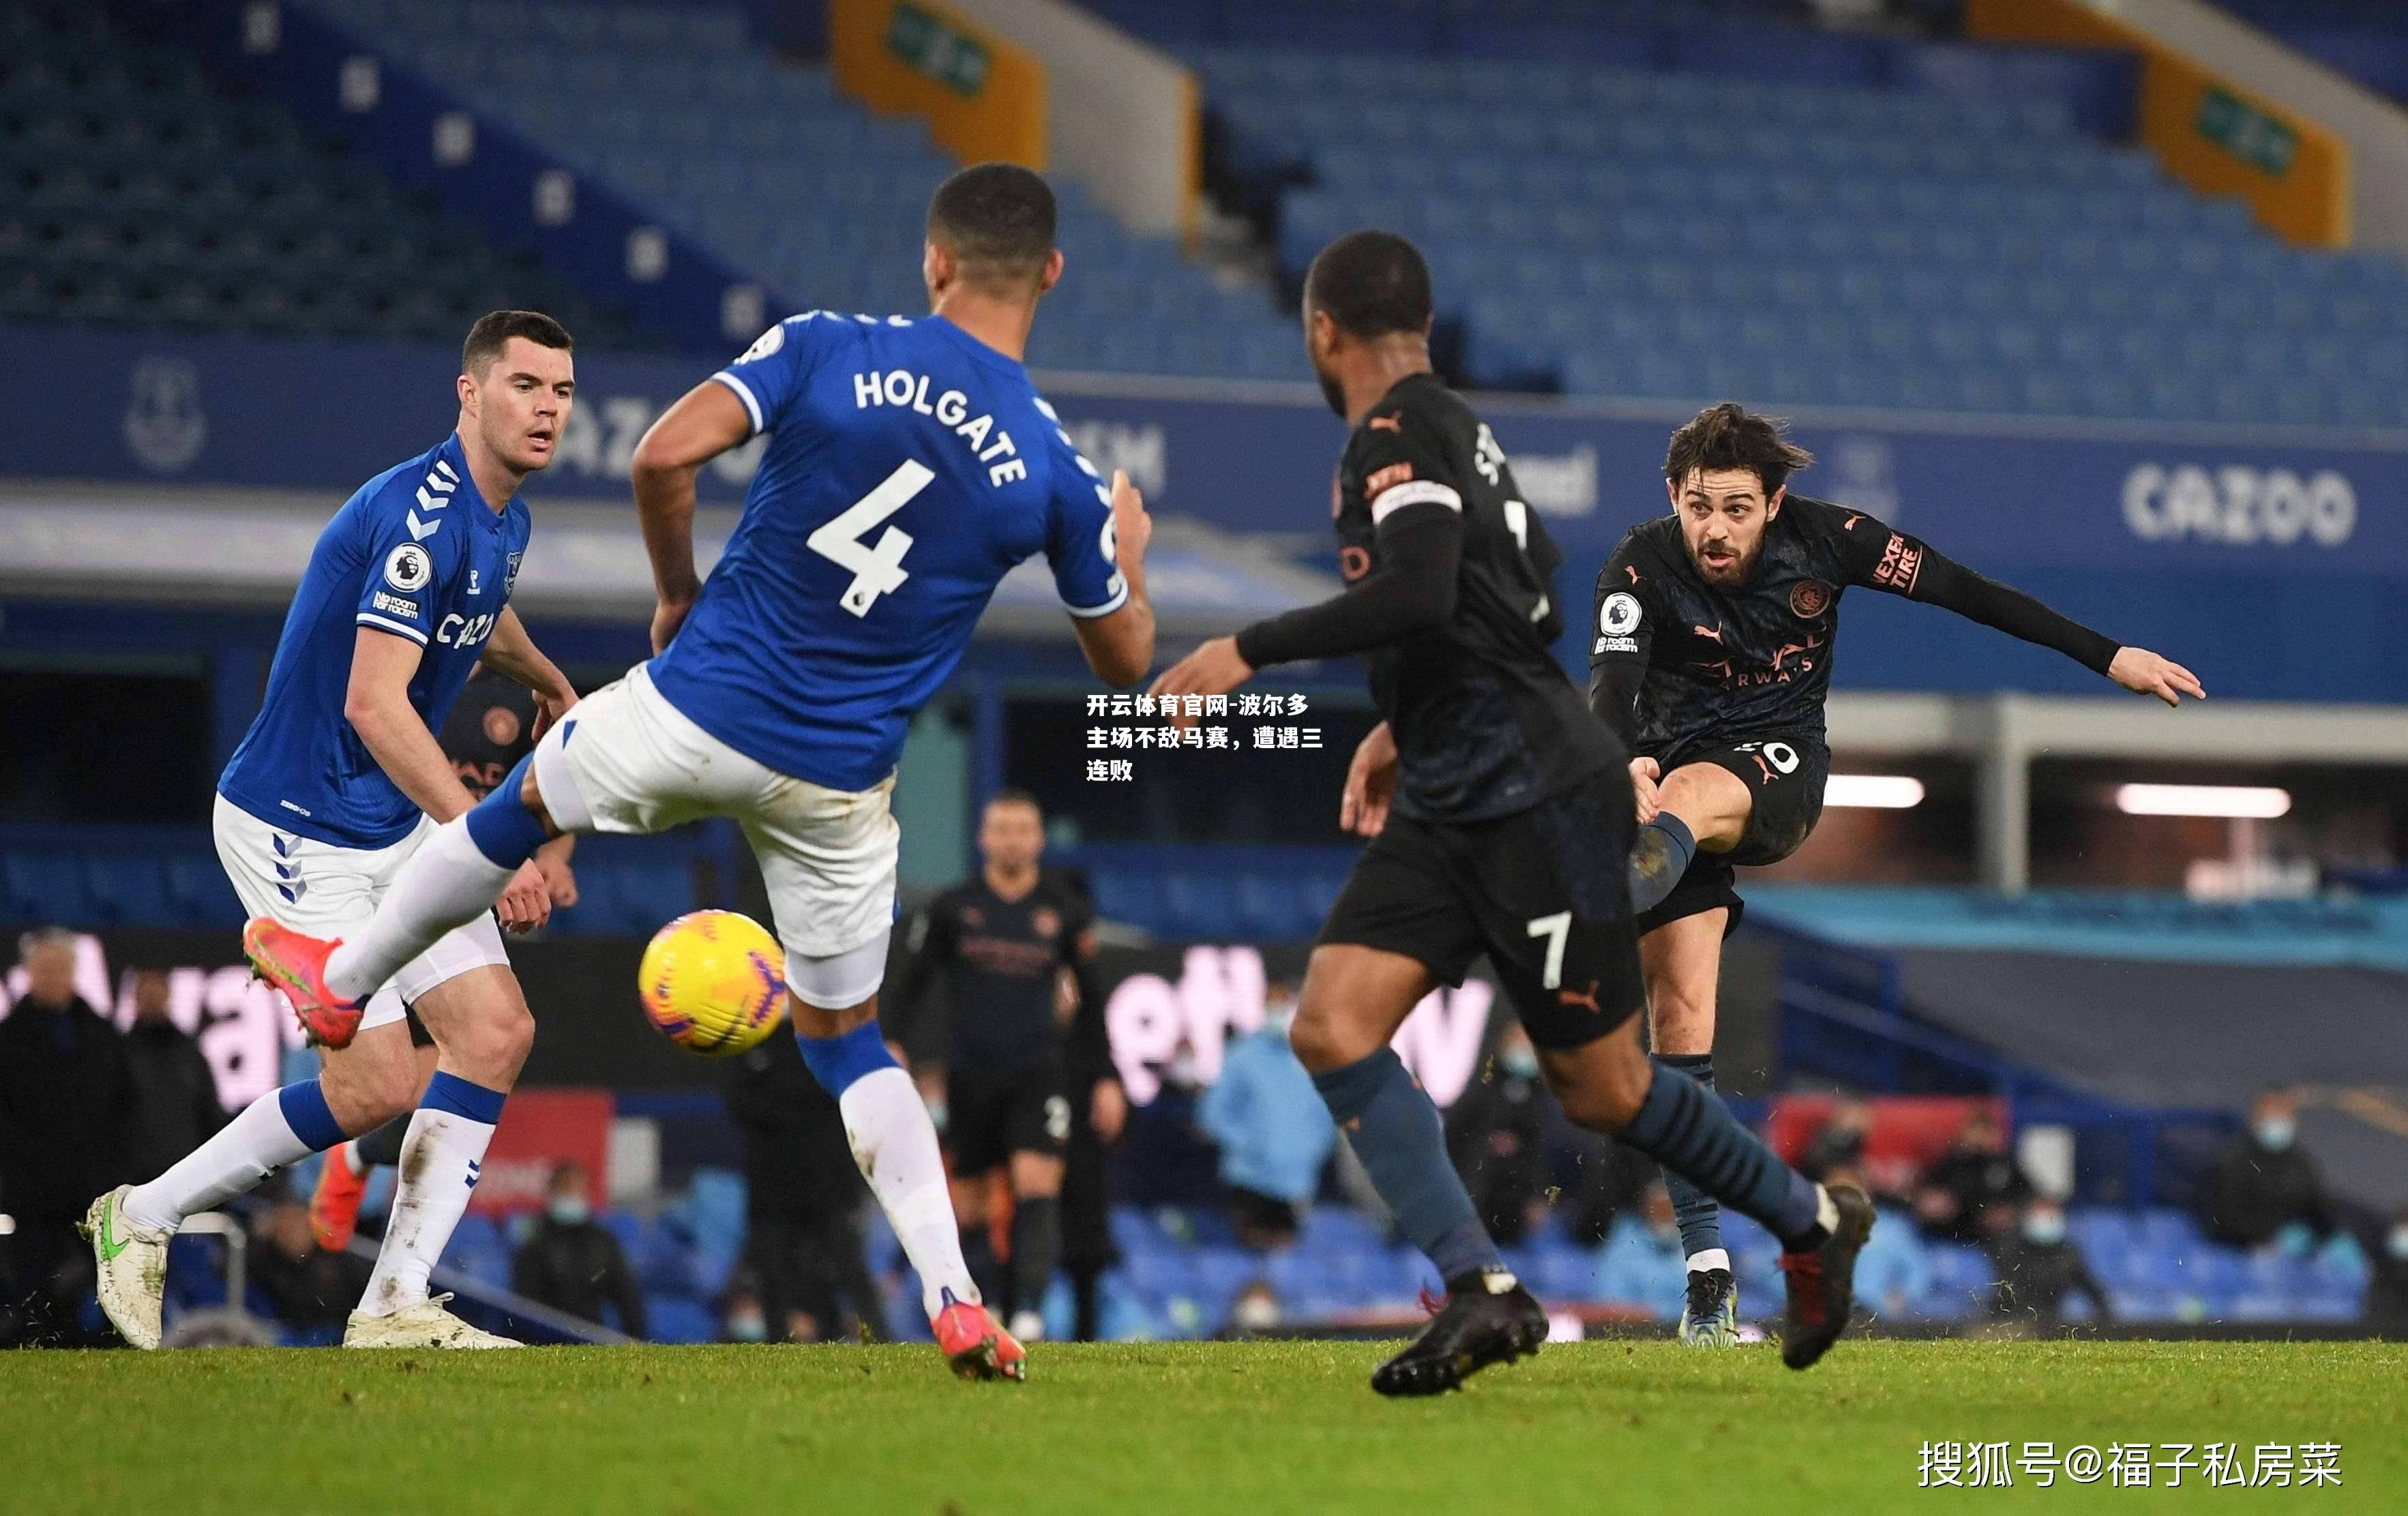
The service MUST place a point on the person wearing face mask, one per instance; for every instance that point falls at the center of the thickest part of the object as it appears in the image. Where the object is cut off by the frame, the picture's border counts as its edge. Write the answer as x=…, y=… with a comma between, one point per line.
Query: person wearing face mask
x=1496, y=1134
x=745, y=1320
x=2386, y=1293
x=2265, y=1185
x=571, y=1264
x=2038, y=1265
x=1274, y=1130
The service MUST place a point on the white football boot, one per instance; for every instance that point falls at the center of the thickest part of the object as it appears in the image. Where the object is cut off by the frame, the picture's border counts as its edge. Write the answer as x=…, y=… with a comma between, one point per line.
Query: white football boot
x=426, y=1324
x=132, y=1263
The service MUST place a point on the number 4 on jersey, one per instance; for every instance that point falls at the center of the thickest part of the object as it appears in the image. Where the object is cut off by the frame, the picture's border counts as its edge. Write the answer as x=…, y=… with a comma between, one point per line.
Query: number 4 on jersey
x=877, y=568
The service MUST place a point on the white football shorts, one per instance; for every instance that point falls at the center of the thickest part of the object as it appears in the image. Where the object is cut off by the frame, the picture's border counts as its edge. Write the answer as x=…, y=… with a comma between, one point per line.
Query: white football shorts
x=626, y=760
x=330, y=891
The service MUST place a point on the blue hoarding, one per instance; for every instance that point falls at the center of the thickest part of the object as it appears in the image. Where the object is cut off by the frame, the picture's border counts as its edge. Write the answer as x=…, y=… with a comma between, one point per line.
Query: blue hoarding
x=2274, y=563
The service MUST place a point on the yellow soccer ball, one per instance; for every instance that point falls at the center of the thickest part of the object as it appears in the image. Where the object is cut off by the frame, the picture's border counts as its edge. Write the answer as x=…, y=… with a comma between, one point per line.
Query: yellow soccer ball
x=713, y=983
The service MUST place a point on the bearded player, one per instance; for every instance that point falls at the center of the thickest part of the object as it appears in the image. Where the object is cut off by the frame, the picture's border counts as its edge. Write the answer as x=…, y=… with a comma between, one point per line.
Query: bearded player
x=1712, y=661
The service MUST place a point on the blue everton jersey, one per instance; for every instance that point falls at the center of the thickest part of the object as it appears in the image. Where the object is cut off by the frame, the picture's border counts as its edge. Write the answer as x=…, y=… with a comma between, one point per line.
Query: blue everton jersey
x=909, y=467
x=417, y=554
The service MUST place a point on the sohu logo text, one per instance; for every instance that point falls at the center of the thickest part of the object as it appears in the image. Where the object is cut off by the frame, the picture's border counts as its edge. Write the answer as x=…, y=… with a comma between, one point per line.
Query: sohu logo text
x=2238, y=505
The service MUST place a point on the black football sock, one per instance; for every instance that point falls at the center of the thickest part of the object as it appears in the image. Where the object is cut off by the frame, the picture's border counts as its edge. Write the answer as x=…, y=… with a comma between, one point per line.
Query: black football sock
x=1700, y=1219
x=1659, y=855
x=1397, y=1133
x=383, y=1144
x=1687, y=1131
x=1036, y=1244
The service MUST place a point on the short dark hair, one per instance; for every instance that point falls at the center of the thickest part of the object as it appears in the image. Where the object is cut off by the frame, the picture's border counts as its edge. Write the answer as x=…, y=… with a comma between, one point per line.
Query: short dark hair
x=494, y=329
x=1372, y=283
x=1727, y=437
x=1011, y=794
x=997, y=220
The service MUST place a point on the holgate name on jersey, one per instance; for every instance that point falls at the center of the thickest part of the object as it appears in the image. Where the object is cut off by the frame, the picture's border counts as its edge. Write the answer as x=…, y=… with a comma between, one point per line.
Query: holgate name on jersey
x=901, y=388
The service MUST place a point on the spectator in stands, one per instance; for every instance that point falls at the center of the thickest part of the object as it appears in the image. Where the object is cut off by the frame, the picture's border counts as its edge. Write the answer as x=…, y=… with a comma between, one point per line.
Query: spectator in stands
x=65, y=1101
x=745, y=1319
x=1642, y=1264
x=1257, y=1308
x=2038, y=1265
x=1273, y=1131
x=311, y=1290
x=1496, y=1136
x=2387, y=1292
x=1975, y=1174
x=571, y=1264
x=175, y=1091
x=2265, y=1187
x=802, y=1200
x=1894, y=1271
x=1841, y=1143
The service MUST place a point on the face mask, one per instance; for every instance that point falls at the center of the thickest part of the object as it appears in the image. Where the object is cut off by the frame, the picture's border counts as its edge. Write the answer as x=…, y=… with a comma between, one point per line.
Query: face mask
x=2274, y=1132
x=1665, y=1235
x=1257, y=1313
x=569, y=1210
x=1279, y=1018
x=748, y=1328
x=2045, y=1229
x=1520, y=1062
x=2396, y=1245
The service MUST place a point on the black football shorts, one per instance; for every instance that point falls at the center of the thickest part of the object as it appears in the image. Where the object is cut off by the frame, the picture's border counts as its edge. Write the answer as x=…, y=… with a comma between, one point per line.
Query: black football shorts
x=990, y=1114
x=1785, y=775
x=1544, y=894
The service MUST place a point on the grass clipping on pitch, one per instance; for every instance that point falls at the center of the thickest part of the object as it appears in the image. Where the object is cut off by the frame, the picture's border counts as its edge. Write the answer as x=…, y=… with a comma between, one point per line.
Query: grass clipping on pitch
x=1160, y=1428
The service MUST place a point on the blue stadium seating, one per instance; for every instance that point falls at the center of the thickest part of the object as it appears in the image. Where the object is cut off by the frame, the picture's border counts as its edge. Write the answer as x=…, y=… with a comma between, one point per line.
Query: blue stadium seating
x=789, y=177
x=1687, y=234
x=132, y=192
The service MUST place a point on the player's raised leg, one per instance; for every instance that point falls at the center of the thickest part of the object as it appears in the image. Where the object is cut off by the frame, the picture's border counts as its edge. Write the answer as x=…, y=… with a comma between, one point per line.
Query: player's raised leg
x=1355, y=998
x=483, y=1030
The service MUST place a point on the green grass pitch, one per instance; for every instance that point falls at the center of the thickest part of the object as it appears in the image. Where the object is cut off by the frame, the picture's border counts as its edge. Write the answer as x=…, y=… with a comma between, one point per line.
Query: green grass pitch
x=1161, y=1428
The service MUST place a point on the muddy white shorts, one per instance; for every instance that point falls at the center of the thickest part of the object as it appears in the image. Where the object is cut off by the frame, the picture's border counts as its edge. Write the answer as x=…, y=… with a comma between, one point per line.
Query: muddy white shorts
x=626, y=760
x=330, y=891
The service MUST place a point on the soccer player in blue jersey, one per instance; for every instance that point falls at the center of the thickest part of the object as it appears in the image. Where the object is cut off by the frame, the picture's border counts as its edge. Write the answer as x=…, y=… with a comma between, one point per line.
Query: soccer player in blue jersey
x=339, y=783
x=909, y=465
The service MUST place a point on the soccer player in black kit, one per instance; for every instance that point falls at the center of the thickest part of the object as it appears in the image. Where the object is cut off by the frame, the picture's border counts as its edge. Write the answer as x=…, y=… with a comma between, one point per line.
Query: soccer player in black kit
x=491, y=727
x=1711, y=657
x=1499, y=814
x=1003, y=939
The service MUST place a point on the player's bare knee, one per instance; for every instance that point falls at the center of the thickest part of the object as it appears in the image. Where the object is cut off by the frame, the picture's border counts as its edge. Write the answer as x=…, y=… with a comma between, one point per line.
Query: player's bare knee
x=1319, y=1040
x=1036, y=1176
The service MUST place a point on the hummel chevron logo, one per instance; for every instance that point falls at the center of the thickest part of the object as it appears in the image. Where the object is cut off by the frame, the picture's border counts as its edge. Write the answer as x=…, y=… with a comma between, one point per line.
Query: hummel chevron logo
x=420, y=531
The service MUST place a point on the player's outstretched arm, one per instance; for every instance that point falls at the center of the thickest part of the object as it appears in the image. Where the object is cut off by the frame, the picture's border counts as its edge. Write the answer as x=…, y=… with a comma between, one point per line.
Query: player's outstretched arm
x=707, y=421
x=1120, y=646
x=377, y=704
x=1914, y=569
x=1415, y=588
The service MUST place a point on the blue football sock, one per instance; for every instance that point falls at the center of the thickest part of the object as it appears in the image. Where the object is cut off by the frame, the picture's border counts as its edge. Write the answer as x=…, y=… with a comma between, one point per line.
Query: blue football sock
x=1397, y=1133
x=500, y=824
x=1689, y=1132
x=1700, y=1219
x=841, y=1061
x=1659, y=855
